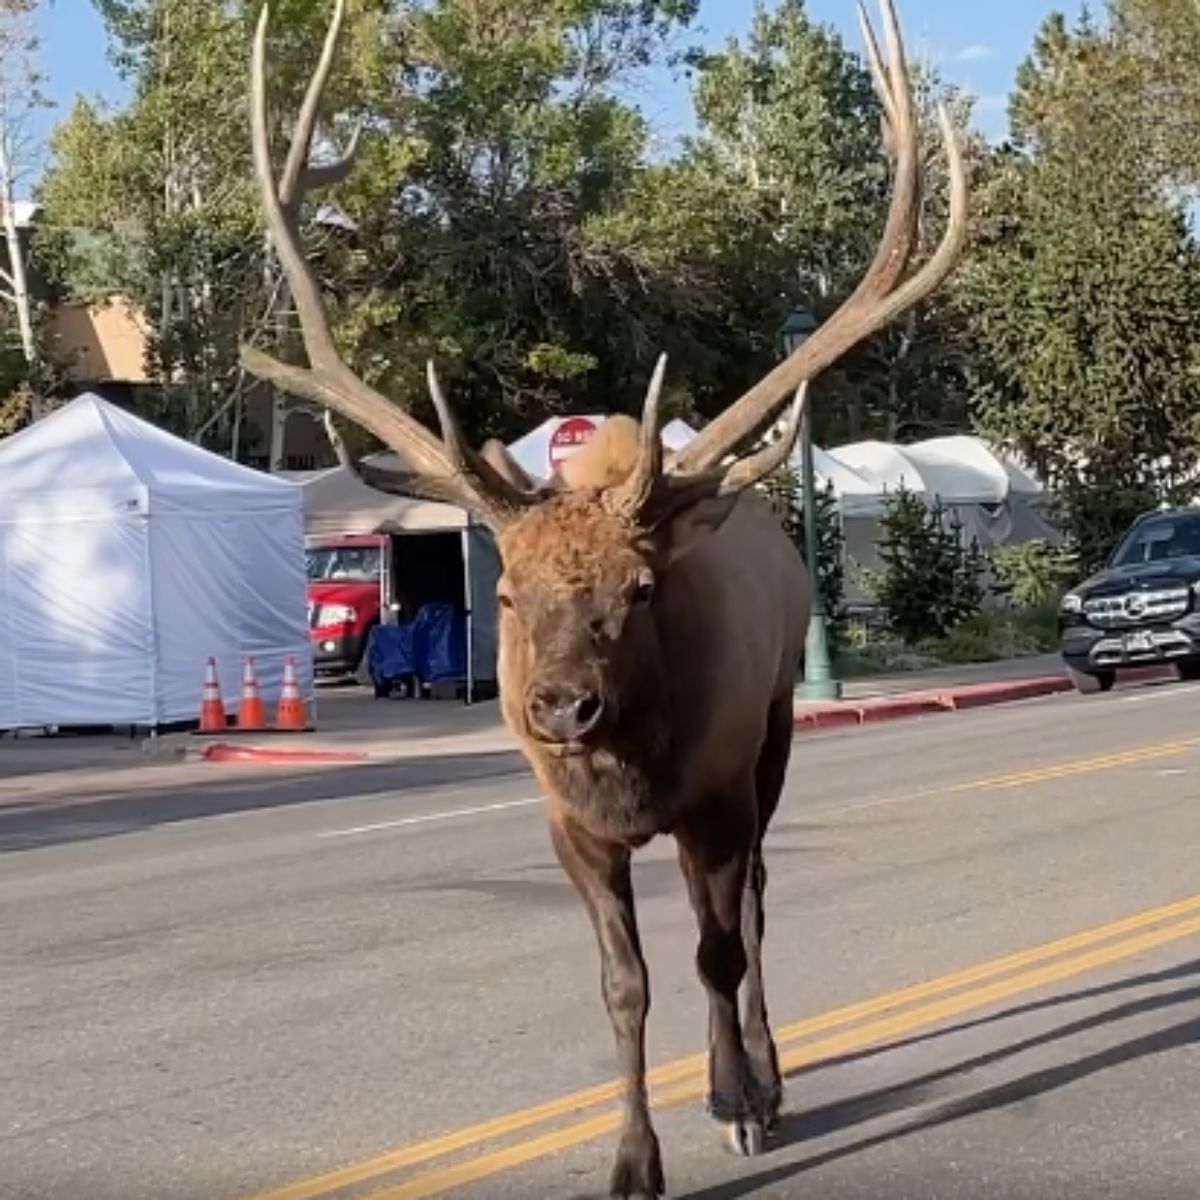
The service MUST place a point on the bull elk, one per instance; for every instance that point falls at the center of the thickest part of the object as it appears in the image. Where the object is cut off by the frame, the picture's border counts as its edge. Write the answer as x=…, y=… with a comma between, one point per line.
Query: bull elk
x=652, y=615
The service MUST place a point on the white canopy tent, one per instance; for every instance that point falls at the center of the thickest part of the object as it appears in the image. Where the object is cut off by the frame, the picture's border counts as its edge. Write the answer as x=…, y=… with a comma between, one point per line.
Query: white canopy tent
x=127, y=557
x=996, y=499
x=338, y=504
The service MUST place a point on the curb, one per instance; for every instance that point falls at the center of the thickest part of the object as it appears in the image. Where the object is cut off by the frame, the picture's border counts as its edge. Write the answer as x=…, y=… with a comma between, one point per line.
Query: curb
x=917, y=704
x=224, y=752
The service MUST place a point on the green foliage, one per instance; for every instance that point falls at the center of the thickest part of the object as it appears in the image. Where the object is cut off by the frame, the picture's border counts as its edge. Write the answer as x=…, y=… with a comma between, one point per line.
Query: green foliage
x=1082, y=293
x=996, y=636
x=785, y=492
x=1036, y=572
x=930, y=580
x=1162, y=40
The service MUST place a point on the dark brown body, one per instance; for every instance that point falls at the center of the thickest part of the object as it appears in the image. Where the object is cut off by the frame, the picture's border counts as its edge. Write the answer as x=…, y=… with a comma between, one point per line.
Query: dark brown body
x=698, y=749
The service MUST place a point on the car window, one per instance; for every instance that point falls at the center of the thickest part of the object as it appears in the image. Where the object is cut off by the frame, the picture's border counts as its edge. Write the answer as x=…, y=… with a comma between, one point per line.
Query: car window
x=358, y=563
x=1159, y=540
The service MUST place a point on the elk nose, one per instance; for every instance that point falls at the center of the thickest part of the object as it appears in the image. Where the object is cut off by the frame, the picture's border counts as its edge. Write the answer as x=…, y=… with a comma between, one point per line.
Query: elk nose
x=564, y=712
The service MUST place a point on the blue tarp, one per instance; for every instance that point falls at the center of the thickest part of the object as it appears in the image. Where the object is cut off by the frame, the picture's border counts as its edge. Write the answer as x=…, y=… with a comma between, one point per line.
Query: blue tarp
x=432, y=647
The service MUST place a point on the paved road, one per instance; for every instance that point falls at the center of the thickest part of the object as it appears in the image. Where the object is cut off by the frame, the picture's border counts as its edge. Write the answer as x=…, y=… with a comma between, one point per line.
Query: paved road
x=231, y=989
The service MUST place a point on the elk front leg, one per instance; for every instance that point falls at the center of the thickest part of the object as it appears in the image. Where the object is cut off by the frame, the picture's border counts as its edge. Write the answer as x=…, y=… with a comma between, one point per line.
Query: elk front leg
x=715, y=858
x=600, y=872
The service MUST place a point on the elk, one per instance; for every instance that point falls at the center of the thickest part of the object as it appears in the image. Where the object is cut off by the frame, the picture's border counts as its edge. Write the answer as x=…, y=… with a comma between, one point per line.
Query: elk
x=652, y=614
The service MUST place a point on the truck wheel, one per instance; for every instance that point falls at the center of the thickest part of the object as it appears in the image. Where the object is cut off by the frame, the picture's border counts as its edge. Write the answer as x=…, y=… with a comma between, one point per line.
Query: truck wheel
x=1089, y=683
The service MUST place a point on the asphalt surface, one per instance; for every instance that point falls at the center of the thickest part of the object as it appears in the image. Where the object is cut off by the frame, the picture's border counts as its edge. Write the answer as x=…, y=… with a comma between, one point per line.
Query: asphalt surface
x=231, y=987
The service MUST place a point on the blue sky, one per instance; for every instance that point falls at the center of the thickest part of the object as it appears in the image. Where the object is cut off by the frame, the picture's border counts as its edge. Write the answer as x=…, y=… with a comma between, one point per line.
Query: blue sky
x=978, y=44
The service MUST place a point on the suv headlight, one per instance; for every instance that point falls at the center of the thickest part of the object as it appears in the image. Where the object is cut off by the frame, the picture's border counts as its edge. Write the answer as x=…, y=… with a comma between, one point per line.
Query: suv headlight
x=336, y=614
x=1071, y=603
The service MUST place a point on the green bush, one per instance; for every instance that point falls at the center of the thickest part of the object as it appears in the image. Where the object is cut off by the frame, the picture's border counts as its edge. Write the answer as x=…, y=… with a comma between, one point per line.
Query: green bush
x=786, y=495
x=930, y=580
x=992, y=636
x=1036, y=572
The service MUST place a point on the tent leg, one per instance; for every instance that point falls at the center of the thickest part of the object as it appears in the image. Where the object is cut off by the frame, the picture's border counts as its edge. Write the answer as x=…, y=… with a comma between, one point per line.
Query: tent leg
x=470, y=617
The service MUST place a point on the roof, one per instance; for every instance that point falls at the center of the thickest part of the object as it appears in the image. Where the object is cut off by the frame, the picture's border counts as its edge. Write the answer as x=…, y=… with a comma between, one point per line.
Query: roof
x=337, y=503
x=91, y=448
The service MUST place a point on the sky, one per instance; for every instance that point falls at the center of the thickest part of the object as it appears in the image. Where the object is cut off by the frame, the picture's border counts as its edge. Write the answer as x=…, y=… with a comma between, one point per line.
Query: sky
x=977, y=43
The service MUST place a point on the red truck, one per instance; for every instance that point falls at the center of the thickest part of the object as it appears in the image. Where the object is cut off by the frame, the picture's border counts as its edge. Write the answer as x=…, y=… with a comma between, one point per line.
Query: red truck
x=345, y=589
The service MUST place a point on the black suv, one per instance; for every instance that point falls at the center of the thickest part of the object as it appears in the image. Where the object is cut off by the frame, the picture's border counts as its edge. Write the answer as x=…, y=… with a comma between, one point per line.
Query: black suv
x=1143, y=608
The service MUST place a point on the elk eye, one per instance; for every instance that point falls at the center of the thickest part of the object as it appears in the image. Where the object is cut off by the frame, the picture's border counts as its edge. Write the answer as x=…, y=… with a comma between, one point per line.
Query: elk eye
x=506, y=601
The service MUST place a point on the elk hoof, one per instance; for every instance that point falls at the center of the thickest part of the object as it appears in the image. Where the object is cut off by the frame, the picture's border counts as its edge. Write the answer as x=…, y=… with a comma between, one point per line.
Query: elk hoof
x=745, y=1137
x=637, y=1173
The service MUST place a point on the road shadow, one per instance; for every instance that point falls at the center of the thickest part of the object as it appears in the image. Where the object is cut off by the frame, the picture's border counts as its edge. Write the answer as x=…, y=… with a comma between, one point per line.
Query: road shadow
x=1173, y=975
x=796, y=1129
x=38, y=824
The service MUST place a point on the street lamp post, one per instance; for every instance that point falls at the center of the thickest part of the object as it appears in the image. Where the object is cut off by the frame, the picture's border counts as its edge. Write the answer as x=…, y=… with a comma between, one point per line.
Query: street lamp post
x=819, y=681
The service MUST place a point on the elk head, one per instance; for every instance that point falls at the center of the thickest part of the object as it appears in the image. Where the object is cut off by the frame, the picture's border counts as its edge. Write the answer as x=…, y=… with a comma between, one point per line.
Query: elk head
x=581, y=564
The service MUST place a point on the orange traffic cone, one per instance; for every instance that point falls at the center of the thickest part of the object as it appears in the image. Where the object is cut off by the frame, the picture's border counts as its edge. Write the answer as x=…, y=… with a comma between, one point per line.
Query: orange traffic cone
x=212, y=707
x=250, y=708
x=290, y=713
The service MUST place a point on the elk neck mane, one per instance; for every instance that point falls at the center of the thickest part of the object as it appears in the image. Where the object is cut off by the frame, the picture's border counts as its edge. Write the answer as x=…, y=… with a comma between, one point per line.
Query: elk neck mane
x=611, y=787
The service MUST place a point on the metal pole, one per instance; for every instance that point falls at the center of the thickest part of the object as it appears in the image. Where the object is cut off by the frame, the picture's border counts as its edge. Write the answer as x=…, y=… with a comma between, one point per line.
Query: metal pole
x=469, y=615
x=819, y=683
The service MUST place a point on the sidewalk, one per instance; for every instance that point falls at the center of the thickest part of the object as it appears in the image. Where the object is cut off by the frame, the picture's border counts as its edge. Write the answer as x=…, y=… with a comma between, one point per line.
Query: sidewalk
x=352, y=726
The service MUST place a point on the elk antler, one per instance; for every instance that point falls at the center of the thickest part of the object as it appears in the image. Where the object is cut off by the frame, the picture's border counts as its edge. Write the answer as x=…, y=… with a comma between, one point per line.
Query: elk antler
x=444, y=470
x=647, y=496
x=880, y=297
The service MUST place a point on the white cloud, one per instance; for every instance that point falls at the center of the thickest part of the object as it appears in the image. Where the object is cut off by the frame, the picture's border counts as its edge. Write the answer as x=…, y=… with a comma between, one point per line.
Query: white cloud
x=974, y=53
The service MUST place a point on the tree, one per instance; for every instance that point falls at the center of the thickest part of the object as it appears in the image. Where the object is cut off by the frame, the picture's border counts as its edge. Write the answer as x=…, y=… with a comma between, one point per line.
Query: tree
x=1162, y=39
x=20, y=97
x=493, y=138
x=777, y=203
x=930, y=579
x=774, y=204
x=510, y=152
x=1082, y=294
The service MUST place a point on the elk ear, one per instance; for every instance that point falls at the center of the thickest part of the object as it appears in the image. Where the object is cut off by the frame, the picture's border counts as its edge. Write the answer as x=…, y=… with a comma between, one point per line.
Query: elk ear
x=681, y=530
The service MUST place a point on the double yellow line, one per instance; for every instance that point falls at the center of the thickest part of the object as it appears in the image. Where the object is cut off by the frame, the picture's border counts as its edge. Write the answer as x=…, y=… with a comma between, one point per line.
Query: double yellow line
x=569, y=1121
x=857, y=1026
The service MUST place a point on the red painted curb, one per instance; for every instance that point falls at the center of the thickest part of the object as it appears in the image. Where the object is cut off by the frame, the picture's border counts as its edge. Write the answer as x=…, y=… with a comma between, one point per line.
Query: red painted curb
x=830, y=718
x=902, y=706
x=916, y=704
x=222, y=752
x=977, y=695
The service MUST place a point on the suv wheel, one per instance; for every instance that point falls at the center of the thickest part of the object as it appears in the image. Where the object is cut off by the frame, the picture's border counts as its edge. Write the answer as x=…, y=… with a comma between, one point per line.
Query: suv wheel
x=1089, y=683
x=1188, y=669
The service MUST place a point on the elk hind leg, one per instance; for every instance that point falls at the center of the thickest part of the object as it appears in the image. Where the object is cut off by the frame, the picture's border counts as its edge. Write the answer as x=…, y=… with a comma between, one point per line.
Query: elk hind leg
x=769, y=776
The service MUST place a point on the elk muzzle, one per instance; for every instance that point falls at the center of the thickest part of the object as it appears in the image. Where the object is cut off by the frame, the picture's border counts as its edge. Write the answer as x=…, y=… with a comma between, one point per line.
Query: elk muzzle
x=563, y=714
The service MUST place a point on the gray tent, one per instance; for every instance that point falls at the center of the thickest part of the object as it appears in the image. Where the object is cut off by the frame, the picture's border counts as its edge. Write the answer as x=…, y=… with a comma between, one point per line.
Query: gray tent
x=338, y=504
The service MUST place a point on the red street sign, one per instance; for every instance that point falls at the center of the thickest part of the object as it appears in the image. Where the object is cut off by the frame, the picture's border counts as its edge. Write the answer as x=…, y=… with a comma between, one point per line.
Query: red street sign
x=571, y=434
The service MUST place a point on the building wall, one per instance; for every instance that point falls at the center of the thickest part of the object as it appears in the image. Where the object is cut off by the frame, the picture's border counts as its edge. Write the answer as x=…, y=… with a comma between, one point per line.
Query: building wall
x=99, y=343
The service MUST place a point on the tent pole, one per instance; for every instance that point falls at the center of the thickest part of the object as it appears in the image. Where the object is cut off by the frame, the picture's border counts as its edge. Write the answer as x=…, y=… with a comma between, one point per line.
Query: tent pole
x=470, y=611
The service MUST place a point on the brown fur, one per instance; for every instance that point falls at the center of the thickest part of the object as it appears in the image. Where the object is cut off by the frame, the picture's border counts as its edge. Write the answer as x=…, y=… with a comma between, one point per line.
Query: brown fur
x=697, y=691
x=607, y=459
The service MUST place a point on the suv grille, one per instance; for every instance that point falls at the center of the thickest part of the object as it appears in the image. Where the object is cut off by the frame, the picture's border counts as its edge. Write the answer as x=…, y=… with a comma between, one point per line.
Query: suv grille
x=1135, y=608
